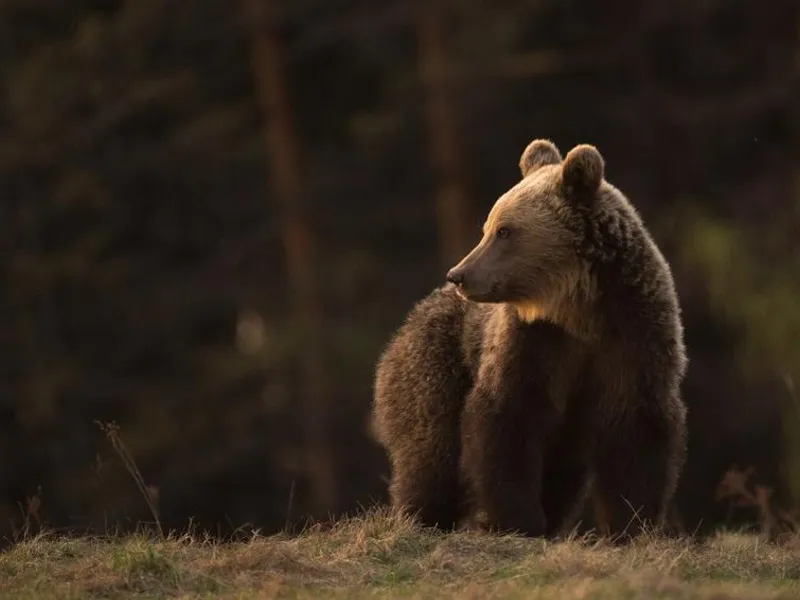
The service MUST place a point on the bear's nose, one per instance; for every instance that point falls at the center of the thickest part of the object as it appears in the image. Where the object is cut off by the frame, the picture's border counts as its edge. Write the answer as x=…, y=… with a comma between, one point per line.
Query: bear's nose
x=455, y=276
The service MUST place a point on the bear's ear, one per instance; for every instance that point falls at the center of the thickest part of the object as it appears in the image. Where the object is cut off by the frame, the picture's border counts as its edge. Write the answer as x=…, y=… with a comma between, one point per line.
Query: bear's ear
x=583, y=170
x=538, y=154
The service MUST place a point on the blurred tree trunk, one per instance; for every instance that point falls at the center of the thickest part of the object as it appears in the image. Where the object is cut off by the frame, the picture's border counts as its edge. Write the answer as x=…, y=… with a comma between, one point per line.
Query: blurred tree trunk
x=285, y=164
x=457, y=231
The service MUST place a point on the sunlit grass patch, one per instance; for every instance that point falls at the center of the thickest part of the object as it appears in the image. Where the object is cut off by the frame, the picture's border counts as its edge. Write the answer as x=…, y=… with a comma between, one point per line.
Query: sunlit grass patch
x=379, y=555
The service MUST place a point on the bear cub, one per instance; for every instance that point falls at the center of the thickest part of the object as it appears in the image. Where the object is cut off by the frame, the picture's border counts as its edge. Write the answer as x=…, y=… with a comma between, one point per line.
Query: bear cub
x=547, y=367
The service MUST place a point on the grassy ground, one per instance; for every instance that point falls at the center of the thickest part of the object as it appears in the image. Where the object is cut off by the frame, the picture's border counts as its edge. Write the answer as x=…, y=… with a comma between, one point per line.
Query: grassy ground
x=383, y=557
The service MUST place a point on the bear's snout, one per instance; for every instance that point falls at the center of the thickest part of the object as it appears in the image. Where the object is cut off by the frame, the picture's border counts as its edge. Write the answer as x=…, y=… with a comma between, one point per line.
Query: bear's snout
x=455, y=276
x=474, y=283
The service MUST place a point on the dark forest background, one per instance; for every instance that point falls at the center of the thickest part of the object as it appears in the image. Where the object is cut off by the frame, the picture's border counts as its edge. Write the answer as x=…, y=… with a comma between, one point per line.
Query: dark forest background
x=214, y=213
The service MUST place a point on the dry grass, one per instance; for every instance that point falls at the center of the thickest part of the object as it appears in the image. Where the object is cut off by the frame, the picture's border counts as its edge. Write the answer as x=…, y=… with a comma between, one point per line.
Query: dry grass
x=379, y=556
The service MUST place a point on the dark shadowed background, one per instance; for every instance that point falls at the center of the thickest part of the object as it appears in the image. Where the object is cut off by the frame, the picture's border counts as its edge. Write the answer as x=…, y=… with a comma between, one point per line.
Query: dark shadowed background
x=215, y=212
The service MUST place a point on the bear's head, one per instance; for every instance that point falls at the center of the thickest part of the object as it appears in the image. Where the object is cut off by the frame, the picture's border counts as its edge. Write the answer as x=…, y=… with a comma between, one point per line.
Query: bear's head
x=528, y=256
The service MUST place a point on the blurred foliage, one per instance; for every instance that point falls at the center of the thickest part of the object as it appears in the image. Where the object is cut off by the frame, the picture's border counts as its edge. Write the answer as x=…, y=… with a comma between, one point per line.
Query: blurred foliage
x=143, y=271
x=751, y=281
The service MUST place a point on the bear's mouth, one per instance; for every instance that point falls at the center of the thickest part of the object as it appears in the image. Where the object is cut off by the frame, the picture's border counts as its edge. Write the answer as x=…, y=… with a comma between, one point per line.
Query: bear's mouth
x=490, y=296
x=459, y=291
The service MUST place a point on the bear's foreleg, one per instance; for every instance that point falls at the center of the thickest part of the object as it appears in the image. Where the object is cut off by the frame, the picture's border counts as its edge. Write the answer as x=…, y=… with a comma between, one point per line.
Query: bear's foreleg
x=566, y=485
x=501, y=460
x=639, y=461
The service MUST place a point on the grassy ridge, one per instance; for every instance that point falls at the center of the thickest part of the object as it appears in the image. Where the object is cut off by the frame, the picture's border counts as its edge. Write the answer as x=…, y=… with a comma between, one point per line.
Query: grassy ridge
x=379, y=556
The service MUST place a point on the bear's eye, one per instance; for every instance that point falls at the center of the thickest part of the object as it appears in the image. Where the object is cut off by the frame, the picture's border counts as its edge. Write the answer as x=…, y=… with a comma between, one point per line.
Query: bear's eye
x=503, y=233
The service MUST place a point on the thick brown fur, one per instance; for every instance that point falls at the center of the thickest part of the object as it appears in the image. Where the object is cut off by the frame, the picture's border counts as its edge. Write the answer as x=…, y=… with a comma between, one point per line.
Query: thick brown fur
x=549, y=365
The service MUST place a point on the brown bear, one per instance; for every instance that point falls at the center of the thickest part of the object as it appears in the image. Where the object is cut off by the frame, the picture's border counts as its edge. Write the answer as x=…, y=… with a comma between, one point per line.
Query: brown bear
x=551, y=360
